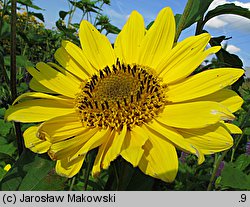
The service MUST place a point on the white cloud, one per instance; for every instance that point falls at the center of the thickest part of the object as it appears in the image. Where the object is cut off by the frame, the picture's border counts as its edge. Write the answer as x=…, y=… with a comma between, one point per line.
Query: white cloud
x=216, y=3
x=247, y=72
x=229, y=20
x=232, y=49
x=245, y=5
x=117, y=19
x=216, y=22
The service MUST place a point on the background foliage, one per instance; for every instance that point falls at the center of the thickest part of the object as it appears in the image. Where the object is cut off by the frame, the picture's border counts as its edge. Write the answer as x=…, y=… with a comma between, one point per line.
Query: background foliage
x=229, y=170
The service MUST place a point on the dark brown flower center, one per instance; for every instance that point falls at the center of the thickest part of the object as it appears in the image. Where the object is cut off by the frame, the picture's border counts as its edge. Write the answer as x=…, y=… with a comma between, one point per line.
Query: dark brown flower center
x=120, y=95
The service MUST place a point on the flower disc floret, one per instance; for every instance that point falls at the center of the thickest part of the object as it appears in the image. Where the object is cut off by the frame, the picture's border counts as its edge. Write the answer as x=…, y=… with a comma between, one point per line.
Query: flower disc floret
x=120, y=95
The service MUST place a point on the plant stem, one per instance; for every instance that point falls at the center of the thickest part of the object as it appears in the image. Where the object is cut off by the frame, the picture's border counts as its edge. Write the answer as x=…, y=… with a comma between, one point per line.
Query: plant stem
x=2, y=66
x=72, y=183
x=90, y=161
x=116, y=176
x=216, y=166
x=24, y=30
x=72, y=9
x=13, y=51
x=183, y=18
x=99, y=10
x=199, y=27
x=13, y=73
x=113, y=179
x=2, y=13
x=239, y=137
x=27, y=19
x=86, y=176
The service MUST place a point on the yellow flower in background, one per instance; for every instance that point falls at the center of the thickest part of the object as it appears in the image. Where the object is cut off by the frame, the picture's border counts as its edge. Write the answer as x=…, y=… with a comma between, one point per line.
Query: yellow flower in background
x=7, y=167
x=137, y=100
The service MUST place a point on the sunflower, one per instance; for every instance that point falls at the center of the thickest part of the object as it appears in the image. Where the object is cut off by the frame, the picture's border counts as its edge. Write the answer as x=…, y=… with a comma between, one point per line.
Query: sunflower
x=138, y=100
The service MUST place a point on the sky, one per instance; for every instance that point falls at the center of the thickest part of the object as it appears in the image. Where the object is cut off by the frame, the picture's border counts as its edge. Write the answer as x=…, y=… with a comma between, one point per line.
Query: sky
x=236, y=27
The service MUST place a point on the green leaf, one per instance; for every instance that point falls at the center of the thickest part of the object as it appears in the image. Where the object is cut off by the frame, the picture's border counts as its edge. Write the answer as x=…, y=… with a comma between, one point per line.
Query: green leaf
x=227, y=59
x=21, y=61
x=6, y=147
x=2, y=173
x=1, y=57
x=112, y=29
x=38, y=15
x=227, y=9
x=29, y=4
x=197, y=12
x=218, y=40
x=233, y=177
x=34, y=38
x=5, y=127
x=5, y=30
x=31, y=172
x=86, y=6
x=177, y=19
x=106, y=2
x=76, y=25
x=230, y=60
x=25, y=126
x=149, y=25
x=63, y=14
x=7, y=158
x=50, y=182
x=140, y=181
x=247, y=131
x=126, y=177
x=67, y=31
x=242, y=162
x=23, y=87
x=2, y=112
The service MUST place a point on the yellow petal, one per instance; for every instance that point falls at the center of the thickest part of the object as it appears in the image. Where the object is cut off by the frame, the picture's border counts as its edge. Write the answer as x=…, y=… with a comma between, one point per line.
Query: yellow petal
x=98, y=165
x=65, y=72
x=167, y=133
x=132, y=150
x=96, y=46
x=194, y=114
x=181, y=53
x=38, y=110
x=186, y=66
x=62, y=127
x=128, y=41
x=54, y=80
x=69, y=169
x=95, y=141
x=227, y=97
x=76, y=53
x=202, y=84
x=114, y=150
x=159, y=40
x=69, y=147
x=211, y=139
x=33, y=143
x=32, y=95
x=159, y=159
x=70, y=64
x=36, y=86
x=233, y=128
